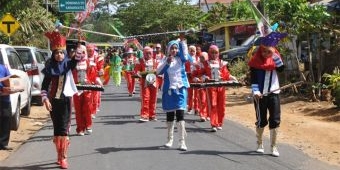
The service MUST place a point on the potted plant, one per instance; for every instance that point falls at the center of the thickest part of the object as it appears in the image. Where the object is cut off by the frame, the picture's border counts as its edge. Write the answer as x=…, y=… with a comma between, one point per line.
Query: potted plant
x=334, y=82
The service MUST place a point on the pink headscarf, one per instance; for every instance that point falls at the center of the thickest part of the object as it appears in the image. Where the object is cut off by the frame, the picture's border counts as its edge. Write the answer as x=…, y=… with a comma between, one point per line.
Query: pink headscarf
x=213, y=48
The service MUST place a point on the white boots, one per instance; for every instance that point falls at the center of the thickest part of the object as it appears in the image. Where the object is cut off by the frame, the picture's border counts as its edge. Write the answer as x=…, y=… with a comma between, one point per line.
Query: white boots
x=171, y=126
x=181, y=132
x=259, y=134
x=273, y=137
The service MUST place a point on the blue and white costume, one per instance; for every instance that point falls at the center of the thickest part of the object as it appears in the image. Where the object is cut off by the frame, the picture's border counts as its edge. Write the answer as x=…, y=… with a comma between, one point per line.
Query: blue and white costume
x=175, y=85
x=175, y=91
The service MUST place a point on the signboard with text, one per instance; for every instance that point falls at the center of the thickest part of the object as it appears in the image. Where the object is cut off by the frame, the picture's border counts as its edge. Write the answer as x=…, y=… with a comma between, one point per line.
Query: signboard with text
x=72, y=5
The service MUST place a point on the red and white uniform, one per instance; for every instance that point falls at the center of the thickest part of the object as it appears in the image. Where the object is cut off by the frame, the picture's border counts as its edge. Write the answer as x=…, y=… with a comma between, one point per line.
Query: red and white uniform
x=82, y=98
x=148, y=90
x=93, y=75
x=216, y=69
x=100, y=70
x=201, y=92
x=189, y=69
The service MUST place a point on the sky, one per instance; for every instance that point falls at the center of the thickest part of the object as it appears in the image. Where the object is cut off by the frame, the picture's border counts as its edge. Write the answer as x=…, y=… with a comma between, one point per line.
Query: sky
x=194, y=1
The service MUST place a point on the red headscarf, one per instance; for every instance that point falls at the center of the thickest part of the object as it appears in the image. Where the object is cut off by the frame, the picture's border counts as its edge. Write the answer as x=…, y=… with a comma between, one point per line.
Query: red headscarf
x=263, y=63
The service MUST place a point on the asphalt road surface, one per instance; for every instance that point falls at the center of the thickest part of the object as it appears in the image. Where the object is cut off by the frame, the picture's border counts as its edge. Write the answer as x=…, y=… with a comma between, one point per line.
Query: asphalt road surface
x=120, y=142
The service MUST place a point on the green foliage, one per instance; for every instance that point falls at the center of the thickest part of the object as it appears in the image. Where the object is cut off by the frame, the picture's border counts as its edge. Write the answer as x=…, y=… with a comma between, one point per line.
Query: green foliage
x=150, y=16
x=239, y=69
x=333, y=79
x=218, y=13
x=334, y=82
x=240, y=11
x=299, y=17
x=34, y=21
x=320, y=86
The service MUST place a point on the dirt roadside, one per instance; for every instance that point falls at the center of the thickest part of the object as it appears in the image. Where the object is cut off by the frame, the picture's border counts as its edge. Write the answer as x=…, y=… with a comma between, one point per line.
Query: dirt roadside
x=28, y=127
x=310, y=127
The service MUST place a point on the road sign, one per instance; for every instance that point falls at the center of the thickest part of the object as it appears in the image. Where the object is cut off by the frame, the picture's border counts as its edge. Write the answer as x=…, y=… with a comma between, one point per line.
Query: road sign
x=72, y=5
x=9, y=24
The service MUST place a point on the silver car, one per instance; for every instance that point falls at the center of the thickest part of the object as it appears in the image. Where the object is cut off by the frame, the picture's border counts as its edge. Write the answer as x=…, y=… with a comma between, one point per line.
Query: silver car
x=21, y=101
x=34, y=61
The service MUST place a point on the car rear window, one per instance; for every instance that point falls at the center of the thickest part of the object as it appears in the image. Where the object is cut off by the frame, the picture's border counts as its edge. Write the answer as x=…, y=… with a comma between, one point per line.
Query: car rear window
x=14, y=60
x=40, y=57
x=25, y=56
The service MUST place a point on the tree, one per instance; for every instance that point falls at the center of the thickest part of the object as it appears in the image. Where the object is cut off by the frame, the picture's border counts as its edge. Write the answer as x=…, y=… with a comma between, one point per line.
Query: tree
x=150, y=16
x=103, y=22
x=303, y=20
x=34, y=21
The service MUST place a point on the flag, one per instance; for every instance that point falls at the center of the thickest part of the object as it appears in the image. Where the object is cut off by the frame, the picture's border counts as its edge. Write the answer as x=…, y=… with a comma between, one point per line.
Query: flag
x=90, y=6
x=262, y=24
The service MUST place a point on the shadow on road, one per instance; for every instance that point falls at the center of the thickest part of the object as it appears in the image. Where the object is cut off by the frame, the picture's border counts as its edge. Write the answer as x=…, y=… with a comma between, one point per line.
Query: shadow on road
x=222, y=154
x=50, y=165
x=114, y=149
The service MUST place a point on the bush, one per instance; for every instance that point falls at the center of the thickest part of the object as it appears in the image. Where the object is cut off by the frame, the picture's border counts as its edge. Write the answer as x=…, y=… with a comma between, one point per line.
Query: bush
x=238, y=69
x=334, y=82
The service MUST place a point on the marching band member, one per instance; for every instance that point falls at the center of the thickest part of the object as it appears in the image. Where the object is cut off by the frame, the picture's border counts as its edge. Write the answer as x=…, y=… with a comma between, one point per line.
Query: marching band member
x=82, y=98
x=174, y=91
x=148, y=84
x=158, y=55
x=216, y=70
x=100, y=61
x=201, y=93
x=128, y=66
x=57, y=90
x=264, y=65
x=116, y=68
x=192, y=93
x=95, y=69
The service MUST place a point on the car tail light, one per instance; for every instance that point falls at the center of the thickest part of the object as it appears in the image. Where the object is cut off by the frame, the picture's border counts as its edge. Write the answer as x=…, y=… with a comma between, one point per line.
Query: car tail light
x=33, y=72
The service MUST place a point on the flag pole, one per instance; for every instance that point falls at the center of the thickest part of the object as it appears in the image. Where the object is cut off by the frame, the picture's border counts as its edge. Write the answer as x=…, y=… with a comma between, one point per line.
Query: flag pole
x=258, y=11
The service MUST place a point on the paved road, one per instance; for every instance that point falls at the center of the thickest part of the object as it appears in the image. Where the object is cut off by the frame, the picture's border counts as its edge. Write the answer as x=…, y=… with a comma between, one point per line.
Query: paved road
x=120, y=142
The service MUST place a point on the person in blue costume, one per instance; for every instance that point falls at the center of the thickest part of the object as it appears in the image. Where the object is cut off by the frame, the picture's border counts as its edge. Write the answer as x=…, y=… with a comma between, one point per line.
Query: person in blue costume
x=174, y=91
